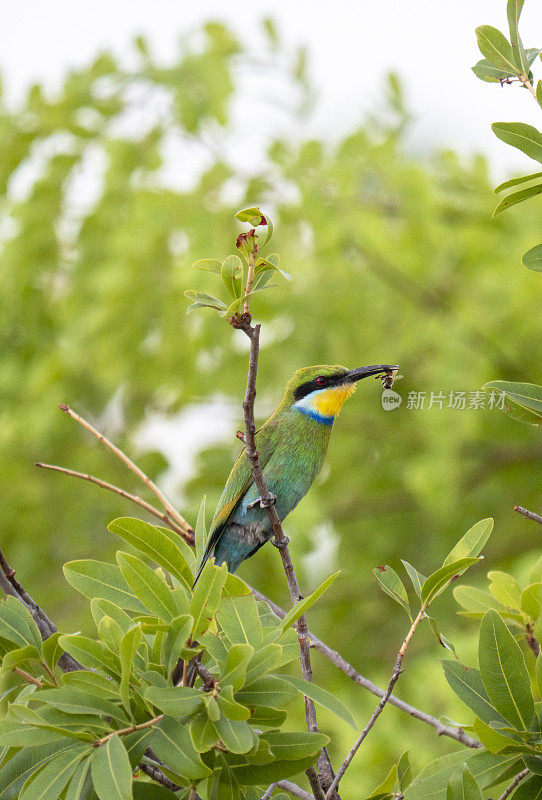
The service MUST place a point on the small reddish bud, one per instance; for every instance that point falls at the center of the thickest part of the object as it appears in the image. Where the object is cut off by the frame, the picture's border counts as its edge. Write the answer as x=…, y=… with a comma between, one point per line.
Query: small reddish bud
x=381, y=568
x=263, y=220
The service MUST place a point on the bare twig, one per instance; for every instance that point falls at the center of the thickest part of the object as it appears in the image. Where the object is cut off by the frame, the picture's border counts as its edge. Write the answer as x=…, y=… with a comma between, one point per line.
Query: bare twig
x=243, y=322
x=294, y=789
x=132, y=729
x=29, y=678
x=10, y=585
x=157, y=775
x=188, y=531
x=509, y=789
x=529, y=514
x=341, y=663
x=135, y=498
x=380, y=707
x=269, y=791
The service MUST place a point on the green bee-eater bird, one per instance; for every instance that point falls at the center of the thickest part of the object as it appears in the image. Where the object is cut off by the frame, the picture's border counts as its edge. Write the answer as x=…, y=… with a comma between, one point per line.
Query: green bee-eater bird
x=291, y=446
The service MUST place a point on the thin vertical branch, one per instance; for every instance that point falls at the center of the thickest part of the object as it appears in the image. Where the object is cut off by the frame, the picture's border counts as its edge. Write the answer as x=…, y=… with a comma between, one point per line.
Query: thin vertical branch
x=380, y=707
x=267, y=501
x=188, y=531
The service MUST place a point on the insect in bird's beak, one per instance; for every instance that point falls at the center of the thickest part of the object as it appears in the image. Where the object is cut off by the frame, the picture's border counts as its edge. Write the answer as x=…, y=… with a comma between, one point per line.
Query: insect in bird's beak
x=382, y=371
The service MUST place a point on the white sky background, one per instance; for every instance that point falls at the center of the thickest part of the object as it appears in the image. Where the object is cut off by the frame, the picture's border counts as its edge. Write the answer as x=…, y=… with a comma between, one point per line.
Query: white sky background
x=430, y=43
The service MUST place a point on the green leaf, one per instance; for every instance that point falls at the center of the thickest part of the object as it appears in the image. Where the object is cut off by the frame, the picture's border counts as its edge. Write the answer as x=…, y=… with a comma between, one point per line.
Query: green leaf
x=148, y=587
x=514, y=198
x=155, y=544
x=204, y=300
x=173, y=746
x=92, y=654
x=404, y=771
x=486, y=71
x=152, y=791
x=475, y=600
x=384, y=788
x=522, y=401
x=51, y=650
x=322, y=697
x=128, y=648
x=234, y=308
x=208, y=265
x=441, y=639
x=202, y=733
x=504, y=673
x=22, y=734
x=17, y=625
x=252, y=215
x=78, y=701
x=472, y=543
x=232, y=271
x=259, y=774
x=505, y=589
x=15, y=772
x=490, y=738
x=516, y=182
x=416, y=577
x=462, y=786
x=111, y=771
x=294, y=746
x=532, y=259
x=392, y=585
x=531, y=600
x=496, y=48
x=200, y=531
x=513, y=11
x=80, y=783
x=20, y=656
x=211, y=708
x=517, y=134
x=439, y=580
x=229, y=707
x=264, y=265
x=206, y=597
x=93, y=683
x=176, y=639
x=55, y=776
x=235, y=666
x=265, y=659
x=468, y=685
x=101, y=580
x=177, y=701
x=303, y=605
x=240, y=620
x=431, y=781
x=236, y=735
x=270, y=691
x=539, y=93
x=263, y=717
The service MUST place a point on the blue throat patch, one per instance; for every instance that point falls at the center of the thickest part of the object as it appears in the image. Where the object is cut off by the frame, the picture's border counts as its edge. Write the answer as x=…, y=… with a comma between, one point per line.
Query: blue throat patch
x=310, y=412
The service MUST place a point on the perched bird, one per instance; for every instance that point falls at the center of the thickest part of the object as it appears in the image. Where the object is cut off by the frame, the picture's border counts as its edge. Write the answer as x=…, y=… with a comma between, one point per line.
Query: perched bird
x=291, y=446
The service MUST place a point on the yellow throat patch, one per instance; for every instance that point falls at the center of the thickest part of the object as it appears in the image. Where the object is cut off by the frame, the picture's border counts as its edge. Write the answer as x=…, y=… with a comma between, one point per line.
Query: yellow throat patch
x=328, y=402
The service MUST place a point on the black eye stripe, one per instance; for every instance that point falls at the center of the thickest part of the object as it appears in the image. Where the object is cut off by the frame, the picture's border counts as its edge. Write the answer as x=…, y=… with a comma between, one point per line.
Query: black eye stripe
x=312, y=386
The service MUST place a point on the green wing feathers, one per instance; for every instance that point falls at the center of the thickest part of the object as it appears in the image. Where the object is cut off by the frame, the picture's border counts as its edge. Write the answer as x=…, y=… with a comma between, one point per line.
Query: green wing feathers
x=239, y=481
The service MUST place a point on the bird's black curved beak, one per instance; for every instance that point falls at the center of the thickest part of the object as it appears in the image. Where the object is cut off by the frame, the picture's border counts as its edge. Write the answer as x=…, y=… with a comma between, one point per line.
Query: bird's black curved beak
x=364, y=372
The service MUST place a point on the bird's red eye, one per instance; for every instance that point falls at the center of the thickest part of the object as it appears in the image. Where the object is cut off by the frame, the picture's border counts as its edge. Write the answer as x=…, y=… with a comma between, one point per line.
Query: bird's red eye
x=321, y=381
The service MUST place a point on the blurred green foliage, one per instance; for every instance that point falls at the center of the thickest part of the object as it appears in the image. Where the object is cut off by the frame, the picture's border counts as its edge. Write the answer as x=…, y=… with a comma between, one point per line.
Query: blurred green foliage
x=395, y=259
